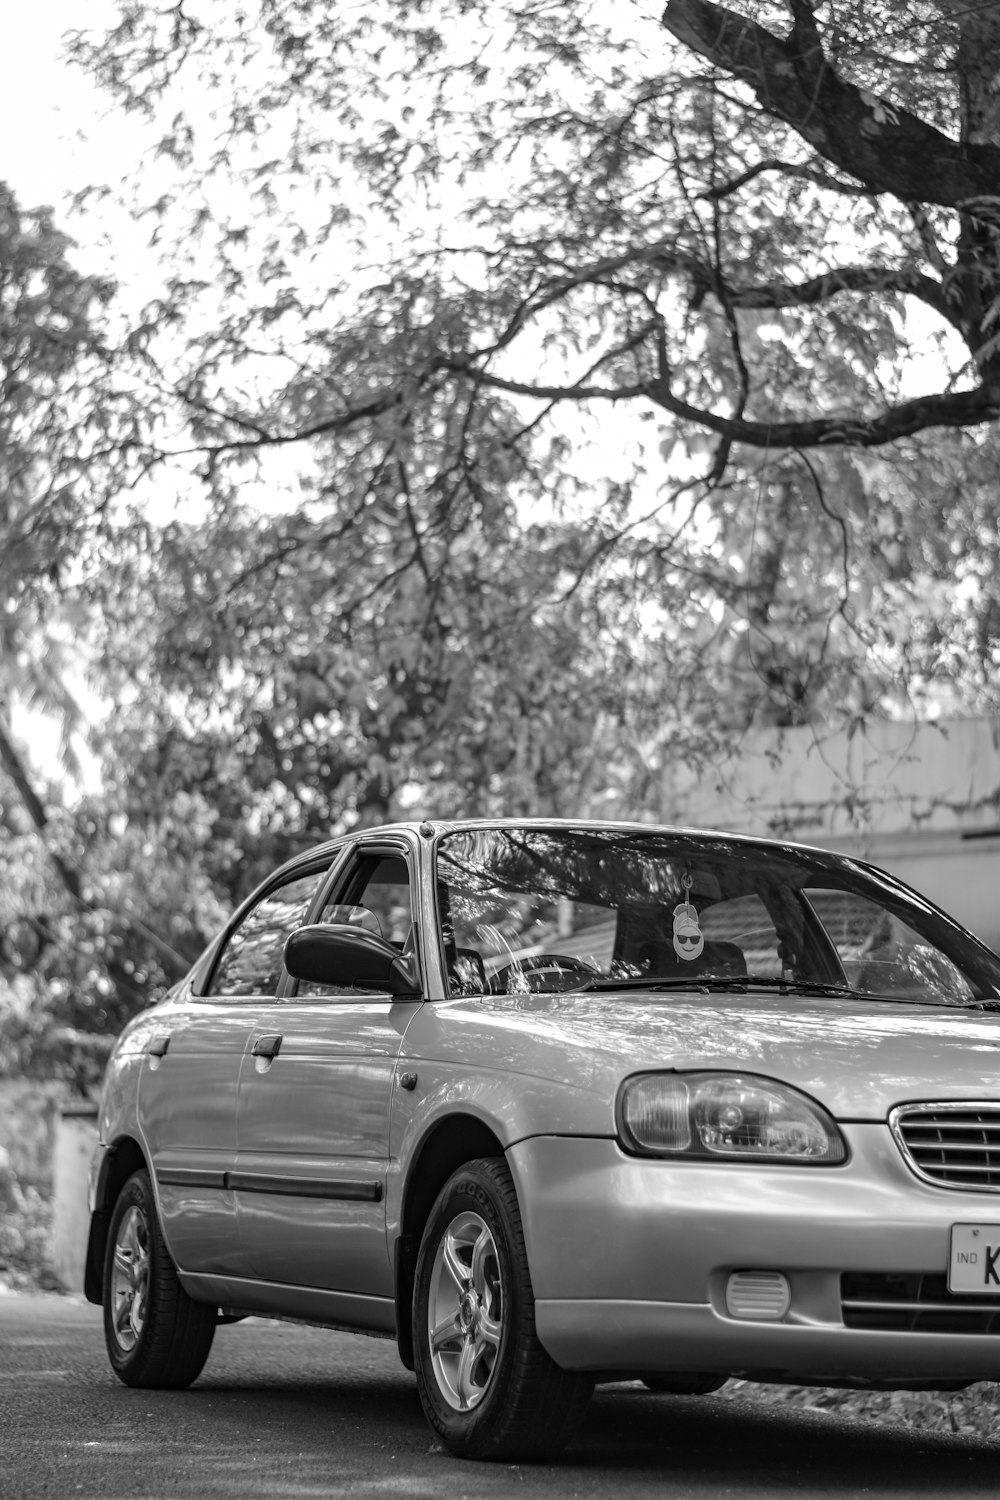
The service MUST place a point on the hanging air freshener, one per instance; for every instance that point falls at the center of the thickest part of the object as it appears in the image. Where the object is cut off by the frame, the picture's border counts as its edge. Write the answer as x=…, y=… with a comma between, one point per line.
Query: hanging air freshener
x=688, y=938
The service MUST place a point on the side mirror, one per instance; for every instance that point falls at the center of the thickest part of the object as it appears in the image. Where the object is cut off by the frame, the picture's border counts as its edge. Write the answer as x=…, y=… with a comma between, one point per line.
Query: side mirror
x=327, y=953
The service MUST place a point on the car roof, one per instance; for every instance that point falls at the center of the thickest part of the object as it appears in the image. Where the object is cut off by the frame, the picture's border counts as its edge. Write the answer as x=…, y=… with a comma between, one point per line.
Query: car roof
x=427, y=828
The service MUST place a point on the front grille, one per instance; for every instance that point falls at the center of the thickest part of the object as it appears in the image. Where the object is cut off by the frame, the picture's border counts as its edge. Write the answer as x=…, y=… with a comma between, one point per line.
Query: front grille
x=955, y=1145
x=914, y=1303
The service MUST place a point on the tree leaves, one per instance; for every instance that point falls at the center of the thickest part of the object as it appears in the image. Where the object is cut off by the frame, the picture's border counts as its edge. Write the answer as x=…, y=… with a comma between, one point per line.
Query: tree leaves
x=534, y=394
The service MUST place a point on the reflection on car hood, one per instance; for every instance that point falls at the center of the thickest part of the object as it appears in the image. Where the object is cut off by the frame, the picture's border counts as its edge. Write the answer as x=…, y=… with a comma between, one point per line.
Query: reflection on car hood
x=858, y=1058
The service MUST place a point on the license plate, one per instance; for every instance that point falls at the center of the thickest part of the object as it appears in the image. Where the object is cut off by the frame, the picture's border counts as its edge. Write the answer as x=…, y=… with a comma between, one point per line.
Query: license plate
x=974, y=1263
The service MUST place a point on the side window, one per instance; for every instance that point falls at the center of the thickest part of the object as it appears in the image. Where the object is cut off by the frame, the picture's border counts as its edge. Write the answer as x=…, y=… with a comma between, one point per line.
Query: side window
x=881, y=954
x=374, y=895
x=250, y=962
x=380, y=884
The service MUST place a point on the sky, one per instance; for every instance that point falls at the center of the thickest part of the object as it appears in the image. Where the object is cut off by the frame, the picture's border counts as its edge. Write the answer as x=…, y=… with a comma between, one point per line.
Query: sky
x=58, y=132
x=45, y=104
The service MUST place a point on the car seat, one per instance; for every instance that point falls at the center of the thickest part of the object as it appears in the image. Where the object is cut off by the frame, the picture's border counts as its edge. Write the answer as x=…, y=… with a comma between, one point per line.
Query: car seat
x=658, y=959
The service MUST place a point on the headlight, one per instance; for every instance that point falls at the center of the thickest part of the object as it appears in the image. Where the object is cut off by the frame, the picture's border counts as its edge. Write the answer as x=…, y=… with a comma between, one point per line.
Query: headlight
x=735, y=1116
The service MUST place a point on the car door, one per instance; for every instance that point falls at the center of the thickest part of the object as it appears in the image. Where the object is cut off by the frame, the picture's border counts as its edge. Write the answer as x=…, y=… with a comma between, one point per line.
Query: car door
x=189, y=1082
x=315, y=1091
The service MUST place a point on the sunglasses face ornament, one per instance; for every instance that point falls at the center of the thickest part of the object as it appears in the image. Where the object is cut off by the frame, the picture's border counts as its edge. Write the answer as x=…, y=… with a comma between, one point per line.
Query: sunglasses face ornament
x=688, y=938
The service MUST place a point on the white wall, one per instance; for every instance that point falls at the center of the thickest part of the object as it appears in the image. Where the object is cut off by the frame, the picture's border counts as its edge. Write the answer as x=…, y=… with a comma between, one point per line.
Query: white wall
x=921, y=800
x=73, y=1146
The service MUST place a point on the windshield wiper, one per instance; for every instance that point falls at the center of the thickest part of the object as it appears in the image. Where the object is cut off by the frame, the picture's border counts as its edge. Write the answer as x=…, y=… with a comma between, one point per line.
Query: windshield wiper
x=800, y=986
x=739, y=982
x=742, y=983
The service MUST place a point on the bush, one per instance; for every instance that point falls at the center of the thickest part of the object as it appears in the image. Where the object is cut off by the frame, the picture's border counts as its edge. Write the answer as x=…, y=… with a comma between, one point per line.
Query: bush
x=973, y=1412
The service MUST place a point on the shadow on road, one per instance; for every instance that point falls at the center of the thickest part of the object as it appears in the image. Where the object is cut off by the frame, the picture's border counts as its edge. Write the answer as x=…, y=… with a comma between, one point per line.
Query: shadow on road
x=715, y=1445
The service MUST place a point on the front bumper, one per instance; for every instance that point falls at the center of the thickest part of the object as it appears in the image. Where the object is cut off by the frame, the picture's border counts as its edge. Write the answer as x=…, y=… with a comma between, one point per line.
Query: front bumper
x=635, y=1338
x=630, y=1259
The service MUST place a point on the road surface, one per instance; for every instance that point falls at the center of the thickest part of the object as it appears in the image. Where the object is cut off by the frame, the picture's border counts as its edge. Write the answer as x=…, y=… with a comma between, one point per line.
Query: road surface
x=303, y=1414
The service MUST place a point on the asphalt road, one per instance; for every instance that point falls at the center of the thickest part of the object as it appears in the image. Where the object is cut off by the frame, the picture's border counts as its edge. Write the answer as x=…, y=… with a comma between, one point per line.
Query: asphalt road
x=299, y=1413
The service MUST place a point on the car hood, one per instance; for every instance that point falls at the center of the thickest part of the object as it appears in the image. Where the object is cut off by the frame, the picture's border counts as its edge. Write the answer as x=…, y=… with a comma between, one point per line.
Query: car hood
x=858, y=1058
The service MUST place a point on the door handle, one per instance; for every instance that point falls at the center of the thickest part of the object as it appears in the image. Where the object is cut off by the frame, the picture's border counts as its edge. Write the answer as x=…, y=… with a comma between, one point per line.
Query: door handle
x=158, y=1046
x=266, y=1046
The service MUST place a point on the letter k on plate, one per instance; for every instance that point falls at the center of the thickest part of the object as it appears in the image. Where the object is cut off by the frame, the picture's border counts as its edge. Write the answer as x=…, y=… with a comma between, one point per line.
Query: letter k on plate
x=974, y=1262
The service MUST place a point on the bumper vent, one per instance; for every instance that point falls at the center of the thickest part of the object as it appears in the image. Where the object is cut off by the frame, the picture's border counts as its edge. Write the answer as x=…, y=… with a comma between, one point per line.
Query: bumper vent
x=915, y=1304
x=954, y=1145
x=758, y=1296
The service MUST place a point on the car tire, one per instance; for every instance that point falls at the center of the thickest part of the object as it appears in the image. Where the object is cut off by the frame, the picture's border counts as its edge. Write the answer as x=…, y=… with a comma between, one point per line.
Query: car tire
x=687, y=1383
x=156, y=1336
x=488, y=1388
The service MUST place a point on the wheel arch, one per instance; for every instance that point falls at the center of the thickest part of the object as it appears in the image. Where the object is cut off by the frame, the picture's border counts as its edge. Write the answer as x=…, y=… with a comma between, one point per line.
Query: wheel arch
x=121, y=1159
x=448, y=1145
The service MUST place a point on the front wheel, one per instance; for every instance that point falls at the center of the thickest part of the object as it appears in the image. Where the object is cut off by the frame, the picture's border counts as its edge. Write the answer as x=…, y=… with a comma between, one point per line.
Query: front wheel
x=487, y=1386
x=155, y=1335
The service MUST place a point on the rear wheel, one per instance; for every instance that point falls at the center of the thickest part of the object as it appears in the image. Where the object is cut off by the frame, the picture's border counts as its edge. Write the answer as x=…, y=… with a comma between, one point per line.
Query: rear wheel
x=488, y=1387
x=155, y=1334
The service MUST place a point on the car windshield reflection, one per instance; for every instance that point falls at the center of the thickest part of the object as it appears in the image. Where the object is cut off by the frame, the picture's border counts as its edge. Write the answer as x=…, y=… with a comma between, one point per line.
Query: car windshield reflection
x=532, y=909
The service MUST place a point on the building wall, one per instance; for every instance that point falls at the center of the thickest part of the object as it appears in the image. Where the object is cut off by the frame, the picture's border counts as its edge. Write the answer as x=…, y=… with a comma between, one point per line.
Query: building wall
x=921, y=800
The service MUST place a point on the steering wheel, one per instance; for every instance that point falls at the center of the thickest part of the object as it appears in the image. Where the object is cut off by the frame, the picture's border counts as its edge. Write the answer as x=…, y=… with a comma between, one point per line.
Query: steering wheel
x=540, y=965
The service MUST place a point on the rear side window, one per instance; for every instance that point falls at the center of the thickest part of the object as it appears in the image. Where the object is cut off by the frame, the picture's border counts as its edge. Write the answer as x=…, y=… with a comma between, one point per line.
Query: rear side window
x=251, y=962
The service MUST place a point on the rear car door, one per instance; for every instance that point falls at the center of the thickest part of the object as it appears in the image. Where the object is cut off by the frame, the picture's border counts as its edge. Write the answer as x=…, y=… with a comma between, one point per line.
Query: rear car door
x=314, y=1105
x=189, y=1081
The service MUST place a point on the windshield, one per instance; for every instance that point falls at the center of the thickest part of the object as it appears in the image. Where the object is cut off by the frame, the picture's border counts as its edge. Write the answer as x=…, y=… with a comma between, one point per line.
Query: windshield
x=531, y=909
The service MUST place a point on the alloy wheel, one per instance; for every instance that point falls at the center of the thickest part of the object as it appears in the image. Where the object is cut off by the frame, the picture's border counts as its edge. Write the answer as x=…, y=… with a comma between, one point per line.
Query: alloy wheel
x=130, y=1278
x=465, y=1311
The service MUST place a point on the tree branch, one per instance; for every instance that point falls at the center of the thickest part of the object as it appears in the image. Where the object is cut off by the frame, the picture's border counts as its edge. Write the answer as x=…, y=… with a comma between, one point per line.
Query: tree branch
x=883, y=146
x=777, y=294
x=946, y=409
x=787, y=169
x=952, y=409
x=663, y=256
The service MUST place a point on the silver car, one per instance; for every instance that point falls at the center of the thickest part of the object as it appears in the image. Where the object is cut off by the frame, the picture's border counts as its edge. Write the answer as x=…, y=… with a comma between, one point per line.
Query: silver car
x=552, y=1103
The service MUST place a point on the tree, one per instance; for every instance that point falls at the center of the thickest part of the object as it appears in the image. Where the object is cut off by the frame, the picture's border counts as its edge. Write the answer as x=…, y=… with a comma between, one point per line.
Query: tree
x=76, y=956
x=462, y=255
x=305, y=674
x=58, y=421
x=543, y=393
x=74, y=969
x=645, y=205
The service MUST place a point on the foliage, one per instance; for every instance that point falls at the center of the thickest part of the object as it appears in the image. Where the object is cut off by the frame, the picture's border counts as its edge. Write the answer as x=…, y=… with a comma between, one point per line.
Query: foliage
x=519, y=181
x=352, y=671
x=74, y=969
x=443, y=264
x=75, y=959
x=26, y=1128
x=51, y=351
x=59, y=422
x=972, y=1412
x=531, y=398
